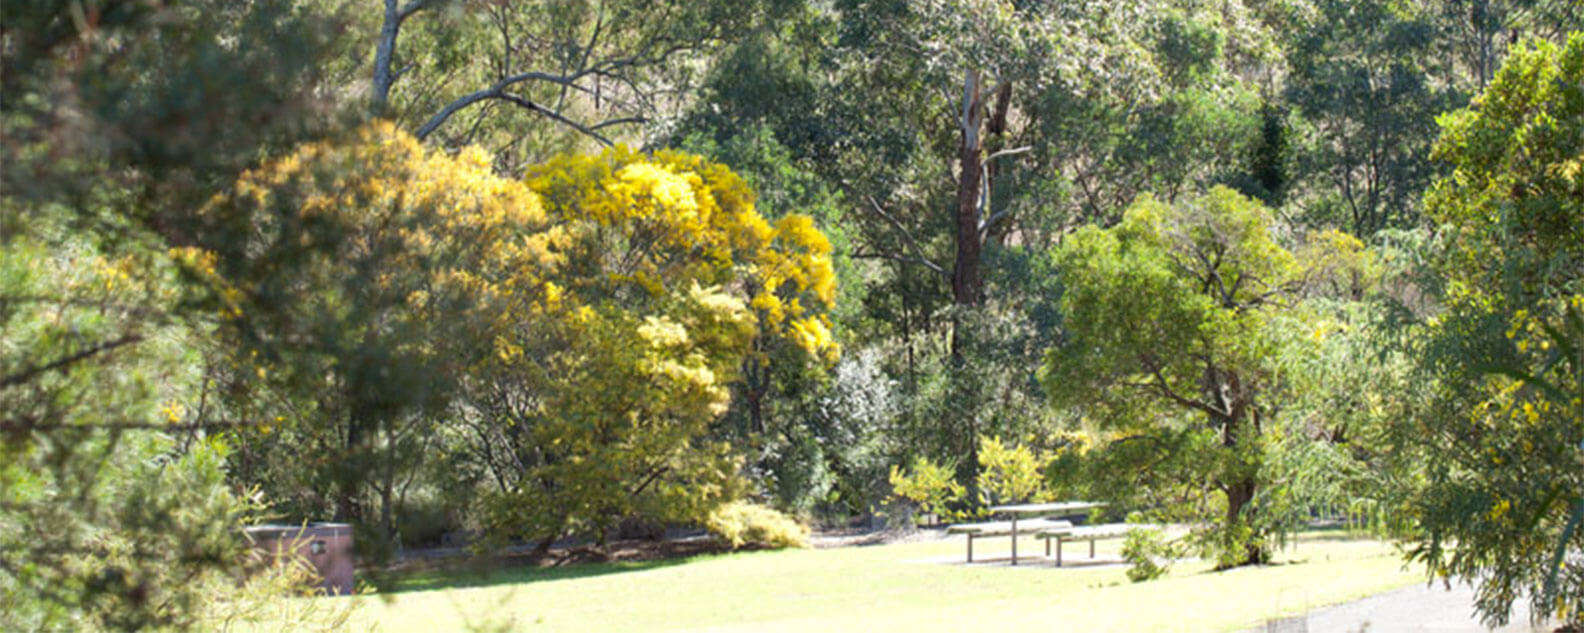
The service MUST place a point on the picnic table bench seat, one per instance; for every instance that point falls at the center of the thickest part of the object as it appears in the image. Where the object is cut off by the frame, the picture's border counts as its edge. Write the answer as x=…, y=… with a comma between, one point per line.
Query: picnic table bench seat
x=1090, y=533
x=1003, y=528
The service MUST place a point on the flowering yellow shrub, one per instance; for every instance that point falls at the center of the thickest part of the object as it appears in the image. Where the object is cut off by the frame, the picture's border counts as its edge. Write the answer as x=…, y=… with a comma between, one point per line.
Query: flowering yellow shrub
x=672, y=219
x=376, y=225
x=585, y=322
x=742, y=524
x=665, y=278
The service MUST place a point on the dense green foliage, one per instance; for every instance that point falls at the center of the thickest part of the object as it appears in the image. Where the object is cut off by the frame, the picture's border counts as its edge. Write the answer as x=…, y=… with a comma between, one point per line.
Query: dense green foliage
x=1237, y=266
x=1504, y=431
x=1175, y=322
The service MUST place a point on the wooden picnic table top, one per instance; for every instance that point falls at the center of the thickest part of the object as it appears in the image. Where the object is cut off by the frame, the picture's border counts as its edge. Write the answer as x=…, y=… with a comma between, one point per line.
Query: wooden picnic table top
x=1034, y=508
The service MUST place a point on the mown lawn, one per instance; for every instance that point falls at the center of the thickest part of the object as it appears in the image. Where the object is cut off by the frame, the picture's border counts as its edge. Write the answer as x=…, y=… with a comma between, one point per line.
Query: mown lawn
x=904, y=587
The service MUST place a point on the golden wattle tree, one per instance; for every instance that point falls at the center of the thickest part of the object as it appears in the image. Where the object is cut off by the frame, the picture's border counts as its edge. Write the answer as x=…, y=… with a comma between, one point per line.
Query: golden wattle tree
x=663, y=279
x=359, y=279
x=576, y=331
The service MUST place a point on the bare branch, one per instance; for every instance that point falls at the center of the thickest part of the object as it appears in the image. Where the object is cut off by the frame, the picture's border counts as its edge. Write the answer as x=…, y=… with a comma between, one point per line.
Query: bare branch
x=1010, y=152
x=588, y=49
x=984, y=196
x=901, y=258
x=31, y=372
x=515, y=99
x=1164, y=388
x=620, y=121
x=990, y=222
x=498, y=91
x=913, y=245
x=19, y=425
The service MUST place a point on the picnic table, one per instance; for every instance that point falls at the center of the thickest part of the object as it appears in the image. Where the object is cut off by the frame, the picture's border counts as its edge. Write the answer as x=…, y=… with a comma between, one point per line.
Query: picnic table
x=1065, y=507
x=1091, y=533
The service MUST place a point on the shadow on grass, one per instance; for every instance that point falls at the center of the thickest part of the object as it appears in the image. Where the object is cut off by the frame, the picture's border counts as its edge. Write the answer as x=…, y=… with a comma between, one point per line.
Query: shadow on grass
x=1303, y=536
x=1333, y=535
x=490, y=573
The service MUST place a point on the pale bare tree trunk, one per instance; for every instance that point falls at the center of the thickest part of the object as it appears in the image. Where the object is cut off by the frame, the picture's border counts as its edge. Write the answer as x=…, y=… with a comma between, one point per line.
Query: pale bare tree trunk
x=379, y=97
x=995, y=129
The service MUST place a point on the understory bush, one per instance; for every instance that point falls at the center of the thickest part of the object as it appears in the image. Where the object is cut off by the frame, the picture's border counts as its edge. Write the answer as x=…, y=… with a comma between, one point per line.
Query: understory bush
x=1149, y=554
x=929, y=486
x=749, y=524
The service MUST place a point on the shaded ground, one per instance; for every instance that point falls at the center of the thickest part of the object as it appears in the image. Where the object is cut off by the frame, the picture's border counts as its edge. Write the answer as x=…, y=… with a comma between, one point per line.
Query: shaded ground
x=446, y=568
x=1415, y=609
x=861, y=536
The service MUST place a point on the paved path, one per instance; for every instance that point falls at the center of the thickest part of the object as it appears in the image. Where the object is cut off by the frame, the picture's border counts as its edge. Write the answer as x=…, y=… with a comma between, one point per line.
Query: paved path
x=1419, y=608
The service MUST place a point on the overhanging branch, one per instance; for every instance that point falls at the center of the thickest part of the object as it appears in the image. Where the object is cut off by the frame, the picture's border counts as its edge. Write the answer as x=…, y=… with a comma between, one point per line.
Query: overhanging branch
x=918, y=253
x=32, y=372
x=498, y=92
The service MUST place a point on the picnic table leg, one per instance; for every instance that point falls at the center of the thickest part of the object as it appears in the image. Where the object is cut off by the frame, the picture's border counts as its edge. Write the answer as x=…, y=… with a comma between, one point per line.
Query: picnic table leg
x=970, y=547
x=1058, y=551
x=1014, y=539
x=1047, y=548
x=1091, y=548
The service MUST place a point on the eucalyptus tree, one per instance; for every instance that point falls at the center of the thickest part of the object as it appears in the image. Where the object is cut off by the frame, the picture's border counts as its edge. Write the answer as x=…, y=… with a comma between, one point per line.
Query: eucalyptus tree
x=964, y=138
x=1364, y=78
x=1478, y=33
x=1176, y=323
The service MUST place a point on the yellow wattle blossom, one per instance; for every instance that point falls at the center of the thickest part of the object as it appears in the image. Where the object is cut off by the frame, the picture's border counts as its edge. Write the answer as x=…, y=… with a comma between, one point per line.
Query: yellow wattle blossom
x=673, y=218
x=173, y=412
x=552, y=295
x=662, y=332
x=667, y=188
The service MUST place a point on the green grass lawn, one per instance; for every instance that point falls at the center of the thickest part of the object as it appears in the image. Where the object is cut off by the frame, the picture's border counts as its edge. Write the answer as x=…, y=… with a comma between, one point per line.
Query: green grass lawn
x=905, y=587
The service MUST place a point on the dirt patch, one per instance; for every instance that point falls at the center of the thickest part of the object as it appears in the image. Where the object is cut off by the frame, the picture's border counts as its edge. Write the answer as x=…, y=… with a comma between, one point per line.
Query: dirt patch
x=859, y=537
x=640, y=550
x=636, y=550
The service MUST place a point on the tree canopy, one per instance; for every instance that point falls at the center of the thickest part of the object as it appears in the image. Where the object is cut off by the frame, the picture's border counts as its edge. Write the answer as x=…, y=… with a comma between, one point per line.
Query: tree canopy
x=1504, y=428
x=501, y=273
x=1174, y=323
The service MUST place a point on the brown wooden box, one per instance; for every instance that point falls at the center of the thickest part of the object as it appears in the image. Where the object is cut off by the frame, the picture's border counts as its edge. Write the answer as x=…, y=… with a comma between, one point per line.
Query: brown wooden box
x=326, y=546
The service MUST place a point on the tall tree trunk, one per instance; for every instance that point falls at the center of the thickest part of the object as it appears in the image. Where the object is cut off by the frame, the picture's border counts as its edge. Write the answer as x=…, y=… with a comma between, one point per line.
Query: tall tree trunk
x=756, y=389
x=388, y=493
x=1241, y=490
x=347, y=471
x=965, y=271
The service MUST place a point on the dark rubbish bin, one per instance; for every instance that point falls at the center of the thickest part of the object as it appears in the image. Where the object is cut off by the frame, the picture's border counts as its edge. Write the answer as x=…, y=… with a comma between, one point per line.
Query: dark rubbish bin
x=326, y=546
